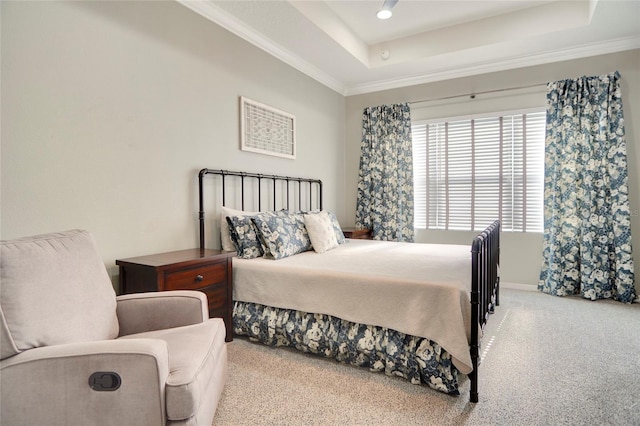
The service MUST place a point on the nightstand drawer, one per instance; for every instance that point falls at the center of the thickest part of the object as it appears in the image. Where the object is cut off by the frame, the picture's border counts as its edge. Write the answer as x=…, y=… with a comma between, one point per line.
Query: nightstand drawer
x=196, y=278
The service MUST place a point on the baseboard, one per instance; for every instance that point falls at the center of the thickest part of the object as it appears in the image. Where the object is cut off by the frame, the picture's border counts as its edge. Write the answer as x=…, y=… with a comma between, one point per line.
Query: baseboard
x=518, y=286
x=529, y=287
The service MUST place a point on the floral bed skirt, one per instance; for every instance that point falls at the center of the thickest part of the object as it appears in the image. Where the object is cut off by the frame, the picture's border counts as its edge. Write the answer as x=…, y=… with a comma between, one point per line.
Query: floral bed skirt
x=416, y=359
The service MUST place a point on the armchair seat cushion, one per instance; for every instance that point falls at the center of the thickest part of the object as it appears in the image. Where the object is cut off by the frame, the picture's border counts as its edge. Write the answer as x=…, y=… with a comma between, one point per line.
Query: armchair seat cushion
x=197, y=367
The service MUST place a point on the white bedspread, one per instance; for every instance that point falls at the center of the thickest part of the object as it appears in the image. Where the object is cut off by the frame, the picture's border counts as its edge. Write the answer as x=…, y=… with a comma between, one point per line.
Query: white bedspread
x=417, y=289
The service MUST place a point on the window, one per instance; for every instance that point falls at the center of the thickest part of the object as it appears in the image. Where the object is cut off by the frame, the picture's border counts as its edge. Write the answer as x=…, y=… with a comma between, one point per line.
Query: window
x=469, y=172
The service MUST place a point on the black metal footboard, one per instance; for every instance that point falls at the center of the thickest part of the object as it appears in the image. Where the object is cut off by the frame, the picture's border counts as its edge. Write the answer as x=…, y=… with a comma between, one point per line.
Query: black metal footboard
x=485, y=291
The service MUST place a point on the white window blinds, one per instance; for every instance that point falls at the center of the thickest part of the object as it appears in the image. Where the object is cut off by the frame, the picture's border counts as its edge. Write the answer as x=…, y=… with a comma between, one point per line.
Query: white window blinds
x=469, y=172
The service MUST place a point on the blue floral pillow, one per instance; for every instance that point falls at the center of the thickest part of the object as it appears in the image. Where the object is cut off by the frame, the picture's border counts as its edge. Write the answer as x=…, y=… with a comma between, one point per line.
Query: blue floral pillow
x=282, y=234
x=244, y=237
x=336, y=227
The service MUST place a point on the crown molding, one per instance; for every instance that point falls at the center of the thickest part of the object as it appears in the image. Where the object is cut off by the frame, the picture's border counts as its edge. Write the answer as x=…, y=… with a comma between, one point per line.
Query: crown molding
x=594, y=49
x=218, y=16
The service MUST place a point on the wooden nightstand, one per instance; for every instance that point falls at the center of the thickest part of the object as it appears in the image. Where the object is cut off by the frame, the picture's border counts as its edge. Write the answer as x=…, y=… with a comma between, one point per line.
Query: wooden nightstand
x=205, y=270
x=358, y=234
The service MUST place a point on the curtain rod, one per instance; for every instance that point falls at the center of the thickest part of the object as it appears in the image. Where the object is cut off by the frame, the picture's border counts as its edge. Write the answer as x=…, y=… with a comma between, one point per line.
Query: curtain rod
x=474, y=94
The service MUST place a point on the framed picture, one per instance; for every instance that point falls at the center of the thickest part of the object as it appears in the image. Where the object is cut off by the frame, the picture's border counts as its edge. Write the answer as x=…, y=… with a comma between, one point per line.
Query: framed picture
x=266, y=130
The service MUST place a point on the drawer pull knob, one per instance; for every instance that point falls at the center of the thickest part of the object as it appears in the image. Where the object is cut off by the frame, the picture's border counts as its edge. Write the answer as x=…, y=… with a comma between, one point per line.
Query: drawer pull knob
x=199, y=278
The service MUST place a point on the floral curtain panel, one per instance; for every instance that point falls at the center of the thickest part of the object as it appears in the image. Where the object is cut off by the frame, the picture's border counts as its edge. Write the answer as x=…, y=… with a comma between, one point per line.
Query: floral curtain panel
x=385, y=185
x=587, y=218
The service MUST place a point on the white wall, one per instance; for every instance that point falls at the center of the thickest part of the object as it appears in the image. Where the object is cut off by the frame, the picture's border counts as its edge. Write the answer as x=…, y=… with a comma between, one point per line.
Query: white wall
x=521, y=253
x=110, y=109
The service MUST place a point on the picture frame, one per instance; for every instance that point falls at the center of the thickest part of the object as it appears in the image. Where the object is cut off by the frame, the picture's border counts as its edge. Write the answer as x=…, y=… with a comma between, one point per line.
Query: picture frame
x=266, y=130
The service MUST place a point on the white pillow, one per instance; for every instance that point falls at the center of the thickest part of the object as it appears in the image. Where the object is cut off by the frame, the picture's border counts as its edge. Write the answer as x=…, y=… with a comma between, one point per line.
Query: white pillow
x=225, y=234
x=321, y=232
x=336, y=225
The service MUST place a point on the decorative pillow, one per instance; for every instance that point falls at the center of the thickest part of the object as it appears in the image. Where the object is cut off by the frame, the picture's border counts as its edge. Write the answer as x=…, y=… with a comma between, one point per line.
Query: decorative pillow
x=334, y=222
x=321, y=232
x=282, y=233
x=225, y=235
x=337, y=229
x=244, y=237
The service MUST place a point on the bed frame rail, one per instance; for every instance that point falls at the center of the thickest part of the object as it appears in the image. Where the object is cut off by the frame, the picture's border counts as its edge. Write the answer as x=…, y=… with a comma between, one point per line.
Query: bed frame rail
x=485, y=291
x=256, y=179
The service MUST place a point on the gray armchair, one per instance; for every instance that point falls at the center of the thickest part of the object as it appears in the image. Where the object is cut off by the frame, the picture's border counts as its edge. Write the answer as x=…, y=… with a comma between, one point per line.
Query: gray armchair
x=72, y=353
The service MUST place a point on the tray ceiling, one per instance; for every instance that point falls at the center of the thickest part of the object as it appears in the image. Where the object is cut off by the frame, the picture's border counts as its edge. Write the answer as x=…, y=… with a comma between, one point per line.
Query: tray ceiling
x=344, y=46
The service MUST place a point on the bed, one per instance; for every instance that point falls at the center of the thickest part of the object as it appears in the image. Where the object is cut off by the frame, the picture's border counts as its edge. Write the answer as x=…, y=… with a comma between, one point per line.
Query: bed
x=406, y=309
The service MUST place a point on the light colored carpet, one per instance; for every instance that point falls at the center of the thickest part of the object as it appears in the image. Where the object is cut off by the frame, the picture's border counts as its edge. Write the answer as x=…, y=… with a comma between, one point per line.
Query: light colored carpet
x=546, y=361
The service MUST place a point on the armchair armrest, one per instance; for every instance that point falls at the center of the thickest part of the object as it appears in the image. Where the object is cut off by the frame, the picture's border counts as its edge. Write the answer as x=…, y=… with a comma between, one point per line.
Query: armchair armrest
x=58, y=378
x=141, y=312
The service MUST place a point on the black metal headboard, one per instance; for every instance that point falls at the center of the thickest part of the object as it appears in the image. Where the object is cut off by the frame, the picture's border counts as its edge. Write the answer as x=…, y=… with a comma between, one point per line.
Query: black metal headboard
x=256, y=179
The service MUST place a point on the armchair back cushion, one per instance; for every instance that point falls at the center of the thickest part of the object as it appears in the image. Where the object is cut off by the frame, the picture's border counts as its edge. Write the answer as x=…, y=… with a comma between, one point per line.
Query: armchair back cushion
x=55, y=290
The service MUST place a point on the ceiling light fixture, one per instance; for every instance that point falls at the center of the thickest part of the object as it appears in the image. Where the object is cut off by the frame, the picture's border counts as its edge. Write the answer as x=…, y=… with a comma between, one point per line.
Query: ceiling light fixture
x=384, y=14
x=385, y=10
